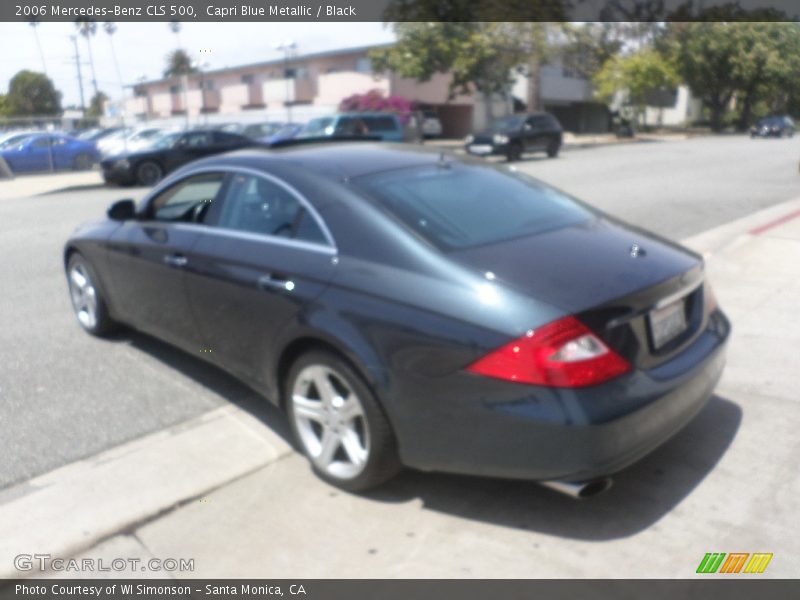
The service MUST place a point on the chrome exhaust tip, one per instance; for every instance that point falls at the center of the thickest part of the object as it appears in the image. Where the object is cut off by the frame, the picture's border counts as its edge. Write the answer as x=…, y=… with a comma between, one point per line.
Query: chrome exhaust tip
x=580, y=489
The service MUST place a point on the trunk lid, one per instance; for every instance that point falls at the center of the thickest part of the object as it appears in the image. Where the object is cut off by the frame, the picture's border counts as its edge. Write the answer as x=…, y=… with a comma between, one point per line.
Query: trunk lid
x=609, y=275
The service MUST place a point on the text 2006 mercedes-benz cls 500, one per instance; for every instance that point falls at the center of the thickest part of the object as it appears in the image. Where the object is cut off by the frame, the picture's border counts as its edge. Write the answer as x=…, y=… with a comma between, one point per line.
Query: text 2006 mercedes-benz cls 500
x=406, y=307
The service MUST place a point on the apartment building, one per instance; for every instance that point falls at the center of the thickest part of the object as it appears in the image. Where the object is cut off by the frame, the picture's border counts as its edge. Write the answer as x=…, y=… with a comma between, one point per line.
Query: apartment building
x=315, y=84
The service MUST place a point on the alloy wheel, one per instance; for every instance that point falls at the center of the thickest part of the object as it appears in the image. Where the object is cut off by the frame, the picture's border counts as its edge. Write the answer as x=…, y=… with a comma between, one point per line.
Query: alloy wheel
x=83, y=295
x=330, y=422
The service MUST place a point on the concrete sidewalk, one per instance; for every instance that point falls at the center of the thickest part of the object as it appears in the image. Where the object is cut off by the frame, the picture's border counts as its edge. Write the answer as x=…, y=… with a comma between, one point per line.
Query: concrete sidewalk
x=24, y=186
x=227, y=492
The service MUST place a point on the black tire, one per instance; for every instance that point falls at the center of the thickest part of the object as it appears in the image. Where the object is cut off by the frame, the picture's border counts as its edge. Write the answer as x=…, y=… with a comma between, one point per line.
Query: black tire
x=514, y=152
x=149, y=173
x=552, y=148
x=100, y=322
x=382, y=461
x=82, y=162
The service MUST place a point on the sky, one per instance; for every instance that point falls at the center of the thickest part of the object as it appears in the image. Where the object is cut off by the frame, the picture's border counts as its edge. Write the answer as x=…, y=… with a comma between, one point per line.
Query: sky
x=141, y=48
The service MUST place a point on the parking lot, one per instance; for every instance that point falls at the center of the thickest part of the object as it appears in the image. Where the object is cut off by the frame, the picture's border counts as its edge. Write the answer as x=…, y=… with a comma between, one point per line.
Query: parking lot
x=726, y=483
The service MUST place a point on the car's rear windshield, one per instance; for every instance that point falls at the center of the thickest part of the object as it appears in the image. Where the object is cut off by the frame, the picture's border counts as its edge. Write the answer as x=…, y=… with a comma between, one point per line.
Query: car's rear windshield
x=461, y=206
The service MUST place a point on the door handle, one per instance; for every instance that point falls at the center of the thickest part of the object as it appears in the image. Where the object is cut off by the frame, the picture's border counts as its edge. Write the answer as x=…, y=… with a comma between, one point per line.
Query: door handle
x=275, y=282
x=176, y=260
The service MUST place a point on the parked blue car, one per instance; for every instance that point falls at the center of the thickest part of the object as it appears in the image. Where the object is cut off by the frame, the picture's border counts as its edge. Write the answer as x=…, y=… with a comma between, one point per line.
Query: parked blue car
x=45, y=152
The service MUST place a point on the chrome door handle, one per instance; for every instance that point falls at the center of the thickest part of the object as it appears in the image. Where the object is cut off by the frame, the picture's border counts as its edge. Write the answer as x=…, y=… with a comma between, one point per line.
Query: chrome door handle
x=275, y=282
x=176, y=260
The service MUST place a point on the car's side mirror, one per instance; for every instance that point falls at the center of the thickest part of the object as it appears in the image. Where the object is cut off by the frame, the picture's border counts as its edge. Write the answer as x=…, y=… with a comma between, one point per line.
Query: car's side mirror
x=122, y=210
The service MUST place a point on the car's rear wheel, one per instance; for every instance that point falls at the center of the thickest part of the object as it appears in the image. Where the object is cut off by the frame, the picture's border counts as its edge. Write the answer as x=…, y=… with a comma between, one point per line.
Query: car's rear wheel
x=552, y=149
x=82, y=162
x=338, y=424
x=149, y=173
x=88, y=302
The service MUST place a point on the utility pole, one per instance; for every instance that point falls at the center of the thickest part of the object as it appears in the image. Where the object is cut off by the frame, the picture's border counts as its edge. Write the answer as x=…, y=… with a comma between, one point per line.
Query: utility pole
x=77, y=57
x=287, y=47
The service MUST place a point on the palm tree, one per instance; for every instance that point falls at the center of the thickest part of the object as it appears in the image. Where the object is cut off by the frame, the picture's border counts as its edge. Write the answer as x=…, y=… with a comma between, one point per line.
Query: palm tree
x=34, y=24
x=178, y=63
x=87, y=28
x=111, y=28
x=175, y=27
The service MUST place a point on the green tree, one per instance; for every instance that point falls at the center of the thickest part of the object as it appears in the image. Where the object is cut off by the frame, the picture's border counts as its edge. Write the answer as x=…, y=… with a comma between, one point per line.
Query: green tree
x=755, y=63
x=589, y=45
x=636, y=76
x=5, y=108
x=479, y=43
x=32, y=94
x=178, y=63
x=478, y=56
x=706, y=57
x=96, y=106
x=766, y=68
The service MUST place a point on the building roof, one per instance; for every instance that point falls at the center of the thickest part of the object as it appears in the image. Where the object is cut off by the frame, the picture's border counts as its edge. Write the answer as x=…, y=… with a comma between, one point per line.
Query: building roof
x=270, y=63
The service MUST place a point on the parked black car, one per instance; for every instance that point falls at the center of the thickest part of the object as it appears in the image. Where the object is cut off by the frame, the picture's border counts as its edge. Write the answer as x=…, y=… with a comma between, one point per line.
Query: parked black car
x=514, y=135
x=147, y=167
x=411, y=308
x=773, y=127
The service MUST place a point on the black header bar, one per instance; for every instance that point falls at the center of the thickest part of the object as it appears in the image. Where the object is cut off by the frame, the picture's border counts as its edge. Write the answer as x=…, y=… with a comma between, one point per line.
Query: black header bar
x=394, y=10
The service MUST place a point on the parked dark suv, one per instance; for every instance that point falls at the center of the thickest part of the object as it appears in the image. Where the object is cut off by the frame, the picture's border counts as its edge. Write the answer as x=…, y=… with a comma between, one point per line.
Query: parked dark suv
x=514, y=135
x=773, y=127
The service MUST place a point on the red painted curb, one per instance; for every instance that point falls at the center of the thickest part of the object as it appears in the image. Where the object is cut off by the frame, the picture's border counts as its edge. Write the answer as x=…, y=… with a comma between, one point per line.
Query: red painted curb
x=775, y=223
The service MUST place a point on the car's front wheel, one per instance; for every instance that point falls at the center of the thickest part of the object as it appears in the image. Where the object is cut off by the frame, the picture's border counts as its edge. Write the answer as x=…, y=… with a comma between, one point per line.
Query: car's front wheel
x=338, y=423
x=149, y=173
x=552, y=149
x=88, y=302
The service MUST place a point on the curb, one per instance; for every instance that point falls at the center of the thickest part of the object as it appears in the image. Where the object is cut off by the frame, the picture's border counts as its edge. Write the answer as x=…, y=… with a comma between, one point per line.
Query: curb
x=74, y=507
x=714, y=241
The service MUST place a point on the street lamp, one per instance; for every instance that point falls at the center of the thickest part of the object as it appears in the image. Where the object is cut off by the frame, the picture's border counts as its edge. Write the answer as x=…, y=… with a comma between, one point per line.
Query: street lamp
x=287, y=47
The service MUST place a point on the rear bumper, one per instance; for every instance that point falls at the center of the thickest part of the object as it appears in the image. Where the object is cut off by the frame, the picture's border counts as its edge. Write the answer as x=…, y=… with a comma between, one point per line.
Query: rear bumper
x=484, y=427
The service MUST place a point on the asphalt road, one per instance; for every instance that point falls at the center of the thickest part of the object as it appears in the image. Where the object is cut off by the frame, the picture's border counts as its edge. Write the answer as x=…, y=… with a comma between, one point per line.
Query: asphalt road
x=678, y=188
x=65, y=395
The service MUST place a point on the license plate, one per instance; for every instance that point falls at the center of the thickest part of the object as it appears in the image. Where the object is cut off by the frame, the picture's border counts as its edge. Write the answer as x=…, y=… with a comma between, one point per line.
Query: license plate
x=480, y=149
x=667, y=323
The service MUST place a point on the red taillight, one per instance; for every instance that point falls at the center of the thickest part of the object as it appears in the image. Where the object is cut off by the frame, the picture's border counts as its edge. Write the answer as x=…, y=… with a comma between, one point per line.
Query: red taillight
x=563, y=353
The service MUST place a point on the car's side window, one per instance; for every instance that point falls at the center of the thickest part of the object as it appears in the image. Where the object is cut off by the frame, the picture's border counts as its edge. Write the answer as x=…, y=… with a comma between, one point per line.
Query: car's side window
x=188, y=200
x=195, y=140
x=257, y=205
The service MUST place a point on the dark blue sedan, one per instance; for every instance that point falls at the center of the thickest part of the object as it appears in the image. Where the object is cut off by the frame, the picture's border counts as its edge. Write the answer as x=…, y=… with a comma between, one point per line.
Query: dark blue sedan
x=50, y=152
x=407, y=307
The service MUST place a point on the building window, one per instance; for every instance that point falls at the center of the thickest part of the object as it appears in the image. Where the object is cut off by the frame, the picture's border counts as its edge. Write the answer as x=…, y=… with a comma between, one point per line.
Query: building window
x=174, y=89
x=208, y=84
x=248, y=79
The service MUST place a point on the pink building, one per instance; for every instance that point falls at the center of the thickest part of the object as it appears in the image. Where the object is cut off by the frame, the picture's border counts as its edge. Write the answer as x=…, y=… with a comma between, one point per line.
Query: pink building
x=319, y=80
x=315, y=84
